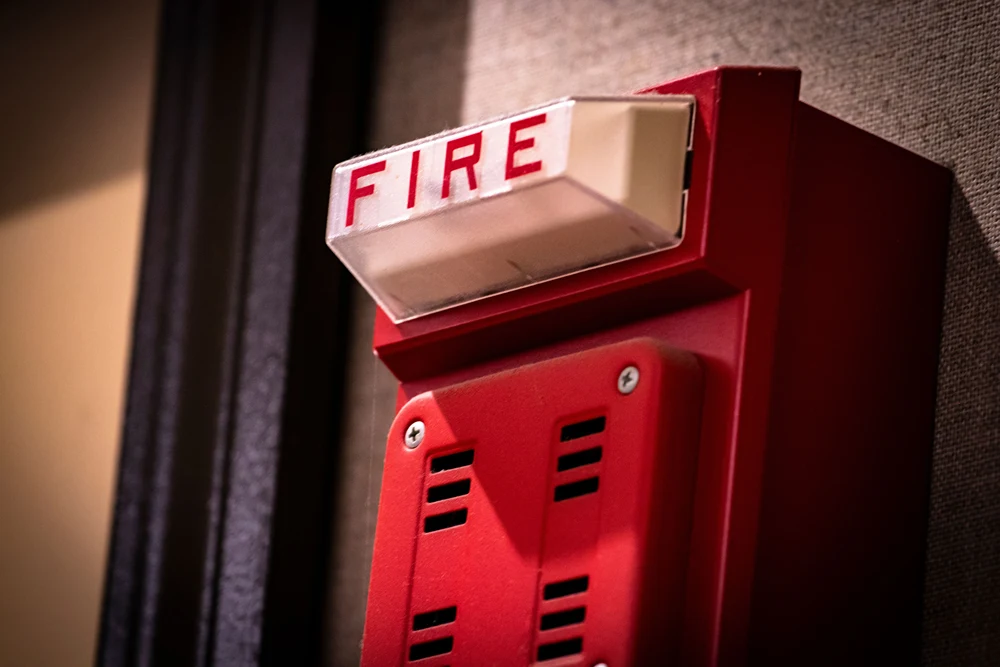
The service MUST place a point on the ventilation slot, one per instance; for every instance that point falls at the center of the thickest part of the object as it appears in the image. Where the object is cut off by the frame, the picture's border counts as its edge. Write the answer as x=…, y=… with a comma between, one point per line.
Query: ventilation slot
x=435, y=647
x=560, y=589
x=578, y=459
x=561, y=619
x=452, y=461
x=432, y=619
x=446, y=520
x=436, y=494
x=581, y=429
x=559, y=649
x=576, y=489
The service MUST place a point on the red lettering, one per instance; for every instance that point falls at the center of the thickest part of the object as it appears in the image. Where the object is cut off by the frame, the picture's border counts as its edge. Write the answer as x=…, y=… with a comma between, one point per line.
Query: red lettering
x=513, y=146
x=355, y=193
x=451, y=163
x=411, y=199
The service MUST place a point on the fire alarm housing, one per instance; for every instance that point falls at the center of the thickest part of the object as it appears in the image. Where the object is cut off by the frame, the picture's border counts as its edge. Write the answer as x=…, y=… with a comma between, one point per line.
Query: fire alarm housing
x=777, y=439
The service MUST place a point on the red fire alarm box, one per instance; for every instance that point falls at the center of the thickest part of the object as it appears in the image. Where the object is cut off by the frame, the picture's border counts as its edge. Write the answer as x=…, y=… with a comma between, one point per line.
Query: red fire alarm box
x=667, y=367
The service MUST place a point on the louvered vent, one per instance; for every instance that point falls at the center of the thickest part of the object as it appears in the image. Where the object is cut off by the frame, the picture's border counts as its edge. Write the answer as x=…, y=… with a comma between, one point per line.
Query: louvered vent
x=440, y=494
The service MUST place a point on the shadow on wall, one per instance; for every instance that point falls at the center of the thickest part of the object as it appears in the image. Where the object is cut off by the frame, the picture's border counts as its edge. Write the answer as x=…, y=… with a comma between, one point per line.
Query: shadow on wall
x=76, y=96
x=419, y=88
x=964, y=524
x=420, y=75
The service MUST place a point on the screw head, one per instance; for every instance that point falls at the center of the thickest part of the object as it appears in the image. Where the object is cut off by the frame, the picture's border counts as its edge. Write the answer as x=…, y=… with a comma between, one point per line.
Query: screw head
x=628, y=380
x=414, y=434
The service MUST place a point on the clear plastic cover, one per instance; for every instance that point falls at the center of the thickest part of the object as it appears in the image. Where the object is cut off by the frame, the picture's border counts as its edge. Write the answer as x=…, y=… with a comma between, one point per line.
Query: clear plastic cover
x=591, y=185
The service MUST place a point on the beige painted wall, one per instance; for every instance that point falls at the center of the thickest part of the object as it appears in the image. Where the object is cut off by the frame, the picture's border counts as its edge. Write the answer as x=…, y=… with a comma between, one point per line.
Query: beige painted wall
x=74, y=118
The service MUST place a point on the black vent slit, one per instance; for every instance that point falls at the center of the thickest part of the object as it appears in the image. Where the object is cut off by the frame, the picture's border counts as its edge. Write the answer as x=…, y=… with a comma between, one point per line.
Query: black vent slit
x=579, y=459
x=432, y=648
x=561, y=649
x=560, y=589
x=582, y=429
x=560, y=619
x=436, y=494
x=432, y=619
x=452, y=461
x=576, y=489
x=437, y=522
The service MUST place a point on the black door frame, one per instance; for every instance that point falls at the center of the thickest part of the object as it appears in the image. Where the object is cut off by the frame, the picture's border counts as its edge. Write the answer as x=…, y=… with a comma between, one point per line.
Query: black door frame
x=220, y=534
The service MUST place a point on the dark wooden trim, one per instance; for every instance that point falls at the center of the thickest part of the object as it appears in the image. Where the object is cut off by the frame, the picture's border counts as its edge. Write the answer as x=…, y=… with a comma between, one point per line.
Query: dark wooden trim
x=220, y=537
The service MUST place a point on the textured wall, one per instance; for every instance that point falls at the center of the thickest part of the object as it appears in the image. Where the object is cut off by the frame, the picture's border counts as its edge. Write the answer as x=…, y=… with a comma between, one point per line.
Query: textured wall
x=923, y=74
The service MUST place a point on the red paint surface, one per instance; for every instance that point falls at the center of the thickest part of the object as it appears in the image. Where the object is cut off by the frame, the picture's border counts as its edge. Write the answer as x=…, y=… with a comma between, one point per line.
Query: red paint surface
x=809, y=285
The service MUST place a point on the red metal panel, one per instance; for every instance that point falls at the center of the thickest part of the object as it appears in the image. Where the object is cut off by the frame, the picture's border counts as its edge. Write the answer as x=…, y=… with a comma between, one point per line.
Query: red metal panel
x=541, y=511
x=844, y=510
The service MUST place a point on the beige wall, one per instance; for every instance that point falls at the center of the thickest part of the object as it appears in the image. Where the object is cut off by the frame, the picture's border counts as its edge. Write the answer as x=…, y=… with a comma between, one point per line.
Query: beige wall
x=74, y=116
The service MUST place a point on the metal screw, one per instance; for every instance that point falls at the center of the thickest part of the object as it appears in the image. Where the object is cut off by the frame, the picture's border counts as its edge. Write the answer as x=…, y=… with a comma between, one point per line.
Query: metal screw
x=414, y=434
x=628, y=379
